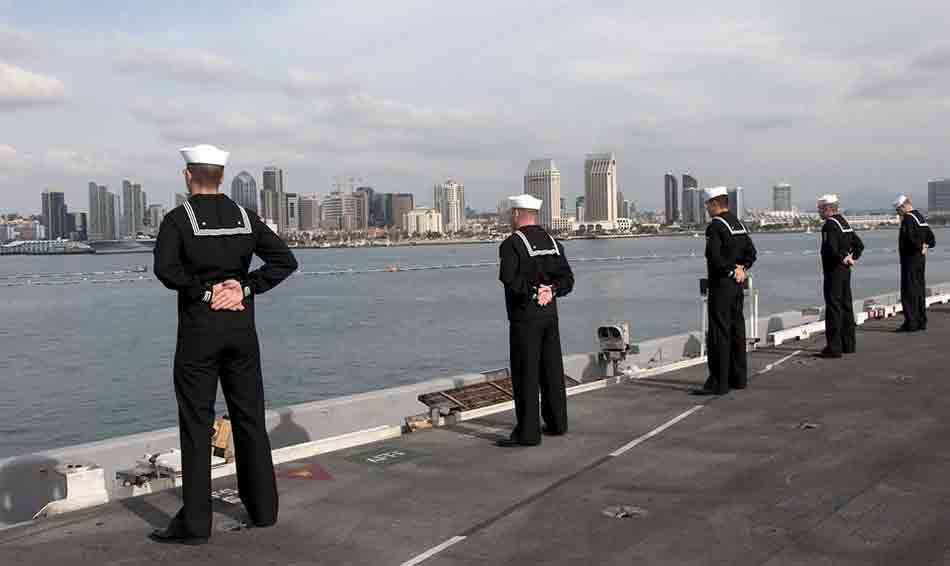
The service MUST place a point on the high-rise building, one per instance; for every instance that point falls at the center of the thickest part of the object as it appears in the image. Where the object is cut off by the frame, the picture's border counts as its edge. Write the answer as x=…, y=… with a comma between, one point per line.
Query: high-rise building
x=692, y=209
x=422, y=221
x=134, y=203
x=54, y=214
x=156, y=213
x=344, y=211
x=244, y=190
x=671, y=196
x=293, y=212
x=600, y=189
x=737, y=201
x=275, y=209
x=449, y=199
x=564, y=207
x=309, y=212
x=938, y=196
x=402, y=204
x=579, y=209
x=372, y=205
x=77, y=226
x=102, y=213
x=542, y=180
x=782, y=197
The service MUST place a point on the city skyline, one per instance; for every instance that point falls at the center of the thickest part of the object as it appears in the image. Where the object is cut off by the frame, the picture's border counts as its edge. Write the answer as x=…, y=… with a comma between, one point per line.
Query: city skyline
x=805, y=103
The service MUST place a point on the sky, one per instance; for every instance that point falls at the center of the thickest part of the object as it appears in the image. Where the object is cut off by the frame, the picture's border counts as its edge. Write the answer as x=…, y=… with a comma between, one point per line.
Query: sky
x=844, y=96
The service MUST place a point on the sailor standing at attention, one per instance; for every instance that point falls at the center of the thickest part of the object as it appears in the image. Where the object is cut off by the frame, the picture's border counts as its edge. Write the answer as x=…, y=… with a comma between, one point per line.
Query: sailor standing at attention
x=203, y=252
x=730, y=254
x=840, y=250
x=534, y=272
x=915, y=239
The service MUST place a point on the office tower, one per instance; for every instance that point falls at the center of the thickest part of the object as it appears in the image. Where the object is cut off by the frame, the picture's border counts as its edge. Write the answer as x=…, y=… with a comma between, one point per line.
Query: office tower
x=293, y=212
x=564, y=207
x=737, y=201
x=384, y=210
x=600, y=189
x=782, y=197
x=402, y=204
x=111, y=215
x=344, y=211
x=671, y=198
x=542, y=180
x=449, y=199
x=156, y=213
x=275, y=203
x=579, y=209
x=693, y=207
x=422, y=221
x=309, y=212
x=102, y=213
x=244, y=190
x=133, y=209
x=372, y=205
x=938, y=196
x=77, y=226
x=54, y=214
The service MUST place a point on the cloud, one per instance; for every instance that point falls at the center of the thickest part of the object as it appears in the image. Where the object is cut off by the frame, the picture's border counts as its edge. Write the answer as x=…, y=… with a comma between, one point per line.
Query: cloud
x=924, y=75
x=187, y=65
x=8, y=157
x=20, y=88
x=300, y=83
x=14, y=43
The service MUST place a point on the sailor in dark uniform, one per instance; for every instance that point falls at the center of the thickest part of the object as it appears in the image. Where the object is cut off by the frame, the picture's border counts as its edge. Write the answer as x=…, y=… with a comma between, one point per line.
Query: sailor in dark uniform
x=730, y=254
x=534, y=272
x=915, y=239
x=203, y=252
x=840, y=250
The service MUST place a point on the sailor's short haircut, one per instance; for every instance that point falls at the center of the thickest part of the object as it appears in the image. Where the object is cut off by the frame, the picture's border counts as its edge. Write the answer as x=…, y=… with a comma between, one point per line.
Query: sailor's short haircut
x=206, y=175
x=721, y=201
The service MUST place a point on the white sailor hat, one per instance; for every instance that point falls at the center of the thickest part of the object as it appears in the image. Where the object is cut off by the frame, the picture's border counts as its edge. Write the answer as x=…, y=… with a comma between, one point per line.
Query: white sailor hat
x=203, y=153
x=899, y=201
x=527, y=202
x=713, y=192
x=827, y=199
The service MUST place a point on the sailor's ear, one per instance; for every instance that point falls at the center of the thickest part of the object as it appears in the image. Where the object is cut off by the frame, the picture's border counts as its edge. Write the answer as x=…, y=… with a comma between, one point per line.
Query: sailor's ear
x=187, y=174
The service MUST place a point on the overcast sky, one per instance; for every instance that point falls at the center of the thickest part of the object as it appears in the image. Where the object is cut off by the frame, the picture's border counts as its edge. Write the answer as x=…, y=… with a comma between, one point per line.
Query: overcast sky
x=830, y=96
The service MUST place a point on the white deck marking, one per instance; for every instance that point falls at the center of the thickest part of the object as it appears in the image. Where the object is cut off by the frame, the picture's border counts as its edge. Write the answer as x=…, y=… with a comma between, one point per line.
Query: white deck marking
x=654, y=432
x=774, y=365
x=432, y=552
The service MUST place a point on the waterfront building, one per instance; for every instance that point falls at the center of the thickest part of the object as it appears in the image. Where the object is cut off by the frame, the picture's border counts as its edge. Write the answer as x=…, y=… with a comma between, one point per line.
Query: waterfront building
x=782, y=197
x=542, y=180
x=938, y=196
x=449, y=199
x=671, y=199
x=54, y=214
x=244, y=191
x=600, y=189
x=402, y=204
x=422, y=221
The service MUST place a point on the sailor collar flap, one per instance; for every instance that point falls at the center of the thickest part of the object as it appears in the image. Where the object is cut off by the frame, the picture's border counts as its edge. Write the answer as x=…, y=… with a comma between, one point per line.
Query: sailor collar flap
x=533, y=251
x=842, y=224
x=918, y=217
x=241, y=225
x=737, y=230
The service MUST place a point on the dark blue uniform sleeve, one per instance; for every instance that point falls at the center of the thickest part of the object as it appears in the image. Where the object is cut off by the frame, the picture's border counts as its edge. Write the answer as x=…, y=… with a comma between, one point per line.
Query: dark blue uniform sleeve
x=169, y=267
x=719, y=266
x=279, y=261
x=510, y=273
x=563, y=277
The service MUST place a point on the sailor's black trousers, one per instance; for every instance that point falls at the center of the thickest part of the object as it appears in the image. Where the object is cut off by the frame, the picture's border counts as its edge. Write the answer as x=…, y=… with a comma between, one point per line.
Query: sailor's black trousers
x=537, y=367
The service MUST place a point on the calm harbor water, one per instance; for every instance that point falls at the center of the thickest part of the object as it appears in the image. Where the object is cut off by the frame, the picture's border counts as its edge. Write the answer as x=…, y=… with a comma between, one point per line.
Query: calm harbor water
x=93, y=360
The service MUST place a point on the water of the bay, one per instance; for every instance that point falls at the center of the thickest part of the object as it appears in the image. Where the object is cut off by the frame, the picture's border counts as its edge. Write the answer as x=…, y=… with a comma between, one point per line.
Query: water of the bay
x=90, y=361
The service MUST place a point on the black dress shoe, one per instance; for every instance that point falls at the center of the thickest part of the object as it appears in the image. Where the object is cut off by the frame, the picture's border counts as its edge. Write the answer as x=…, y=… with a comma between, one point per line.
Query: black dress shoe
x=828, y=355
x=546, y=430
x=172, y=536
x=905, y=328
x=703, y=391
x=514, y=442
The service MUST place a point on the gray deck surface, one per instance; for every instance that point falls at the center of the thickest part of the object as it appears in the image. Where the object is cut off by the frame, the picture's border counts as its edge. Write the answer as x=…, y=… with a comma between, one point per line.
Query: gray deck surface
x=819, y=462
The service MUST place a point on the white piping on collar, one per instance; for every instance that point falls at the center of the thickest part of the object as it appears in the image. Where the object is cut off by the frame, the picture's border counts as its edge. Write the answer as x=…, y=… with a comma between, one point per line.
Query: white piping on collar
x=533, y=252
x=914, y=216
x=731, y=231
x=842, y=228
x=245, y=229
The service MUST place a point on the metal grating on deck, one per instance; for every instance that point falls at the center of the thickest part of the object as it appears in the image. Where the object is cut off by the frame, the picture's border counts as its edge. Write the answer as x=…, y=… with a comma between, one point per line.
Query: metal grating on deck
x=478, y=395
